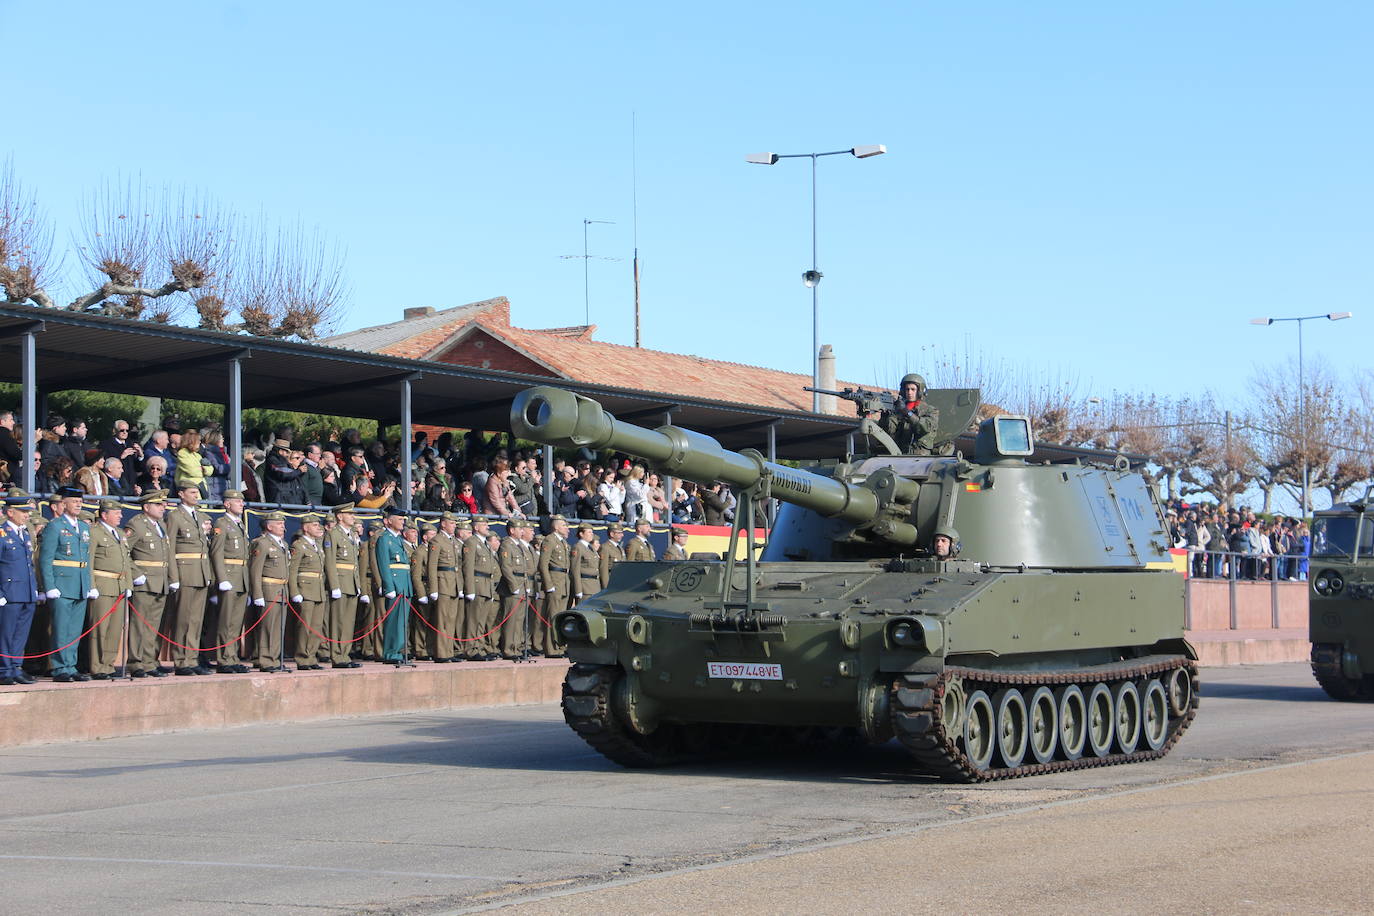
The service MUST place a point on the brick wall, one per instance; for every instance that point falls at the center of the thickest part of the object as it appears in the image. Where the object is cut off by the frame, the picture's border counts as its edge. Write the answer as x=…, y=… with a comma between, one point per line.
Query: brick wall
x=485, y=352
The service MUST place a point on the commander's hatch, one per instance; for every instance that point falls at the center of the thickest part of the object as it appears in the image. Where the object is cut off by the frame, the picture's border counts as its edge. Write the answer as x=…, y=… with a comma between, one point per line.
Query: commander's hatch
x=957, y=407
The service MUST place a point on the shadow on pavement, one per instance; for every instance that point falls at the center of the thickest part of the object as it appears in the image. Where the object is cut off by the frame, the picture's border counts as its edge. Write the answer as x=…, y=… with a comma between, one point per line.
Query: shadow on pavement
x=1232, y=690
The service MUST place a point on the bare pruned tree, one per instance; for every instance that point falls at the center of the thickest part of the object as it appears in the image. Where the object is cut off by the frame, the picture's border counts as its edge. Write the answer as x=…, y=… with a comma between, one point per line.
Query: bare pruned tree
x=158, y=256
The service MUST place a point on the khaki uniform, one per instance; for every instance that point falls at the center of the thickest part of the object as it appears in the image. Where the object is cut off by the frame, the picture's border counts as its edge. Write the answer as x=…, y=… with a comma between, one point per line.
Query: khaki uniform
x=674, y=553
x=417, y=555
x=268, y=567
x=443, y=574
x=151, y=552
x=111, y=575
x=555, y=561
x=305, y=578
x=186, y=531
x=611, y=554
x=370, y=647
x=586, y=569
x=638, y=550
x=514, y=586
x=229, y=562
x=480, y=569
x=343, y=575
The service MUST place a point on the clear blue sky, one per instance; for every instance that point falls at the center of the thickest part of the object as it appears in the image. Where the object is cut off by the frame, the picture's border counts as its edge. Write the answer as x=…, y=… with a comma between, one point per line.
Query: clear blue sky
x=1116, y=188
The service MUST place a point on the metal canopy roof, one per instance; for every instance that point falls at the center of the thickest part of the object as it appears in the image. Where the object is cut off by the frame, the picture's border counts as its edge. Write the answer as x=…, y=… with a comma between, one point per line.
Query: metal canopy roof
x=79, y=350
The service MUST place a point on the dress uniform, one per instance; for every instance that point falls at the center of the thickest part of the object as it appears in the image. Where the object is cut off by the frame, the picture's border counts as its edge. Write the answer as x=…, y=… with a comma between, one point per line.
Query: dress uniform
x=305, y=581
x=268, y=567
x=639, y=550
x=611, y=553
x=674, y=550
x=443, y=574
x=345, y=583
x=64, y=568
x=229, y=561
x=186, y=530
x=480, y=571
x=393, y=572
x=555, y=559
x=586, y=565
x=18, y=588
x=514, y=559
x=370, y=647
x=419, y=563
x=155, y=578
x=112, y=578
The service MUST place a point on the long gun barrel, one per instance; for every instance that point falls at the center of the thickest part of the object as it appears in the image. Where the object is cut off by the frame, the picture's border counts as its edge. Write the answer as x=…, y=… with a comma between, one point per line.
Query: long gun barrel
x=558, y=417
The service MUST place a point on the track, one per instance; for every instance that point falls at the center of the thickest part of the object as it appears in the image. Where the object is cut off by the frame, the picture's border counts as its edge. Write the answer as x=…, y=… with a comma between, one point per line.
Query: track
x=1326, y=668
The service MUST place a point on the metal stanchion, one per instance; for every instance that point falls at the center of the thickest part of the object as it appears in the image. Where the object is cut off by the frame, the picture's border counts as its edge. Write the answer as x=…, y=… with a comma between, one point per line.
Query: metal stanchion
x=122, y=672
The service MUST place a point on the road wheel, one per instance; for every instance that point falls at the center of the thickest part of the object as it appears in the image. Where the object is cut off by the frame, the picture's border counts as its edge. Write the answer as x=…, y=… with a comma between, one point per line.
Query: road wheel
x=980, y=729
x=1100, y=725
x=1154, y=720
x=1044, y=725
x=1073, y=722
x=1127, y=703
x=1012, y=727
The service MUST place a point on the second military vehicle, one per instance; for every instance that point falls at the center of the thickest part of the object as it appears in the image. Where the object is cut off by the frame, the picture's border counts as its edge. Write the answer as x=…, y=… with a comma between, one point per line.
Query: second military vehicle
x=1050, y=637
x=1341, y=599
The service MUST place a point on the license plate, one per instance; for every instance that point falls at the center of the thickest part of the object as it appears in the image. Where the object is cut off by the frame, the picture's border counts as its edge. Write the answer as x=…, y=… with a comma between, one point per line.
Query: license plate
x=744, y=671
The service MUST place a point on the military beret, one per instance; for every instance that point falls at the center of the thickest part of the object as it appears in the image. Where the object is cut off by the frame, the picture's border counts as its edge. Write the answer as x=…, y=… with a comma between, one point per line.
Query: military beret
x=274, y=517
x=676, y=531
x=615, y=526
x=312, y=517
x=156, y=496
x=70, y=493
x=341, y=508
x=233, y=494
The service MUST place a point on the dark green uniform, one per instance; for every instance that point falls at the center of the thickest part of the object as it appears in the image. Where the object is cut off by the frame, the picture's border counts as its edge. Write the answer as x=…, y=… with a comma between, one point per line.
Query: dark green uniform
x=393, y=572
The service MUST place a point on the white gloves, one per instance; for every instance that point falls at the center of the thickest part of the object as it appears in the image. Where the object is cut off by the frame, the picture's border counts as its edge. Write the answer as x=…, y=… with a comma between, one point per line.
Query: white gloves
x=578, y=595
x=53, y=593
x=335, y=593
x=225, y=586
x=552, y=590
x=391, y=594
x=93, y=593
x=470, y=597
x=296, y=599
x=520, y=591
x=364, y=599
x=259, y=602
x=128, y=593
x=3, y=602
x=424, y=599
x=433, y=596
x=140, y=580
x=173, y=586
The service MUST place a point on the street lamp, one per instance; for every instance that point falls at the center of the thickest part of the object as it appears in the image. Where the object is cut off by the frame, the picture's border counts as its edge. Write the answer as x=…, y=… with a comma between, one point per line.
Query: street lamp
x=1302, y=393
x=812, y=278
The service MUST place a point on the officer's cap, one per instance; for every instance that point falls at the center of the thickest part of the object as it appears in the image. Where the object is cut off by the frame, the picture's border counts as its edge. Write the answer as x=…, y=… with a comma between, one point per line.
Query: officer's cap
x=464, y=524
x=615, y=526
x=643, y=521
x=18, y=499
x=394, y=511
x=342, y=508
x=234, y=494
x=70, y=493
x=107, y=502
x=584, y=527
x=156, y=496
x=449, y=517
x=677, y=531
x=274, y=517
x=312, y=517
x=182, y=488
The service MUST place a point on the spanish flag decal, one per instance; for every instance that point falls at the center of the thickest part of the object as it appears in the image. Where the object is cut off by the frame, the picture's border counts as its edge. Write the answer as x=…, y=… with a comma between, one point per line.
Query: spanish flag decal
x=971, y=487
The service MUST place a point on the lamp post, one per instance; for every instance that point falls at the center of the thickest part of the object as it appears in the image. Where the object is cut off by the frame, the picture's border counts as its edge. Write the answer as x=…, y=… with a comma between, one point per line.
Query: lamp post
x=1302, y=393
x=812, y=277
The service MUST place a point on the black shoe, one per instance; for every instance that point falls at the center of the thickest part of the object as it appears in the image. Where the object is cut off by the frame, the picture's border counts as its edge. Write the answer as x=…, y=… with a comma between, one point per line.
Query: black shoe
x=138, y=674
x=347, y=665
x=22, y=678
x=100, y=677
x=184, y=672
x=63, y=678
x=79, y=676
x=158, y=672
x=492, y=656
x=7, y=682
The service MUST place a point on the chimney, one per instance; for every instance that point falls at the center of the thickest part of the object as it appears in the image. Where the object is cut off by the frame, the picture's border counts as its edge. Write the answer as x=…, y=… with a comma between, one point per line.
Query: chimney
x=827, y=374
x=421, y=312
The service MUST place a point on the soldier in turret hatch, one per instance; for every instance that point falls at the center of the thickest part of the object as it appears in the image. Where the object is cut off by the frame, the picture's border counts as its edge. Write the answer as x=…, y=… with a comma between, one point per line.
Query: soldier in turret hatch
x=945, y=543
x=910, y=421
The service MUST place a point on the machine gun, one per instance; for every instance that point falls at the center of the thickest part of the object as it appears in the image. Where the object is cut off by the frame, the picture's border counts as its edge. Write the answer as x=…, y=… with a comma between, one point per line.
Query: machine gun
x=871, y=404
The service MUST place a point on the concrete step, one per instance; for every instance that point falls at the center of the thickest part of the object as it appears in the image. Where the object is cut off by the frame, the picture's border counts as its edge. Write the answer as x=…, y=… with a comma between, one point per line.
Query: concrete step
x=1251, y=647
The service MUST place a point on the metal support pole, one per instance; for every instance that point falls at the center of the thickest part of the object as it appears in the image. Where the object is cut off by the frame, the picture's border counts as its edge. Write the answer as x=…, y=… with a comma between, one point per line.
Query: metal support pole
x=548, y=485
x=1302, y=425
x=815, y=303
x=405, y=445
x=772, y=510
x=29, y=350
x=235, y=425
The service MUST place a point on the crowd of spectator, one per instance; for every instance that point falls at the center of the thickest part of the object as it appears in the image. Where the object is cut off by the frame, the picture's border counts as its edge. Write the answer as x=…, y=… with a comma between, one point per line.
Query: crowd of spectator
x=467, y=474
x=1235, y=543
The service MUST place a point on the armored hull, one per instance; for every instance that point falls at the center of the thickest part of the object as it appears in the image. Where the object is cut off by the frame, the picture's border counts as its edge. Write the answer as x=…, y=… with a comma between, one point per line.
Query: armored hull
x=1054, y=641
x=1341, y=601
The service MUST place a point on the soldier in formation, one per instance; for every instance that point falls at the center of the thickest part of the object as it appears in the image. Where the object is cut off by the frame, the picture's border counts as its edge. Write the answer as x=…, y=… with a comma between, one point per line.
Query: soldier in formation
x=677, y=549
x=229, y=563
x=344, y=579
x=18, y=586
x=112, y=579
x=392, y=563
x=443, y=571
x=268, y=570
x=187, y=529
x=64, y=567
x=639, y=550
x=480, y=571
x=305, y=581
x=555, y=561
x=612, y=552
x=155, y=579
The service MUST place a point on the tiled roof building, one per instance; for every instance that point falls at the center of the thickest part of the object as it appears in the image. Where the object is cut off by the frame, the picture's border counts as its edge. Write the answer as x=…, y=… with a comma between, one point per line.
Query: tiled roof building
x=480, y=334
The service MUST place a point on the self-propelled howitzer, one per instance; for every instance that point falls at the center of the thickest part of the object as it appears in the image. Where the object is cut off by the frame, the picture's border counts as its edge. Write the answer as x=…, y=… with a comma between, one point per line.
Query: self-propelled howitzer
x=1053, y=640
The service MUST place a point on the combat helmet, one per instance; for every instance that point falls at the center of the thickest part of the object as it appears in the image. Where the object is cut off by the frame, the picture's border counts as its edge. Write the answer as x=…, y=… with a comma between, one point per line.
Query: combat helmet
x=917, y=379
